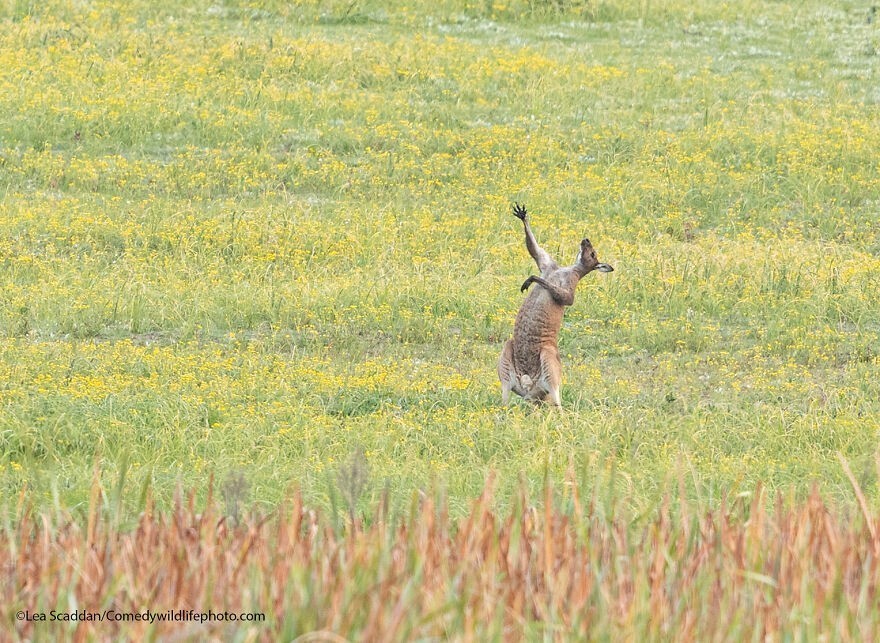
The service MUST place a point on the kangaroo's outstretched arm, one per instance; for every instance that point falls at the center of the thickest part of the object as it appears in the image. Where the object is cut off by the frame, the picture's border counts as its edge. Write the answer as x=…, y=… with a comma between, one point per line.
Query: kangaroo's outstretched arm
x=561, y=296
x=538, y=253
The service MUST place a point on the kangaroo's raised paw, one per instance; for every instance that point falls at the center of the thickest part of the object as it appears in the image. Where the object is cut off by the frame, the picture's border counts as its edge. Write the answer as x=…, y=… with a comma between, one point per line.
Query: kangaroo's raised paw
x=519, y=211
x=528, y=282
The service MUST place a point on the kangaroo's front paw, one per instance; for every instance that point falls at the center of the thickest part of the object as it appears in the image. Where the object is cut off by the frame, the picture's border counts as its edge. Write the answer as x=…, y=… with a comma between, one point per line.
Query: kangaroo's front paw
x=519, y=211
x=528, y=282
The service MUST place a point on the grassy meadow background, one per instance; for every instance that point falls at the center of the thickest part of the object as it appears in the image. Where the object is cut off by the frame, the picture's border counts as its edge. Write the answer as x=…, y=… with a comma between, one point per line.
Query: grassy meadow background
x=264, y=252
x=256, y=240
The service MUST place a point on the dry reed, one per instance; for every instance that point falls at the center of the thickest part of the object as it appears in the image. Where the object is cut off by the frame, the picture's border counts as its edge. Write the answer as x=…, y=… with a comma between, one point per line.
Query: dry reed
x=761, y=568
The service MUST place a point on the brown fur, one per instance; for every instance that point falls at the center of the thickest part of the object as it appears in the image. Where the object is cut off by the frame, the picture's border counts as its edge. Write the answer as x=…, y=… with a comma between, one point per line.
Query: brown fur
x=529, y=364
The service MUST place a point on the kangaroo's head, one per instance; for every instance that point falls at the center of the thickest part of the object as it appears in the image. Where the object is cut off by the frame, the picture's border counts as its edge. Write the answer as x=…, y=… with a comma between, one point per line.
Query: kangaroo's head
x=587, y=261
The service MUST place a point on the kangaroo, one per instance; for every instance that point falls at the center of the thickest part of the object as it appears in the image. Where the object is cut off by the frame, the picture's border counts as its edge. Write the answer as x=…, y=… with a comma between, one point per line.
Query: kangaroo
x=529, y=364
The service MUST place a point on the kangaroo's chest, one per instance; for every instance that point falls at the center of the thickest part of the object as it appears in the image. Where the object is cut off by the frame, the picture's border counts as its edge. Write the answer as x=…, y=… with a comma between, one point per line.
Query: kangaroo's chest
x=537, y=327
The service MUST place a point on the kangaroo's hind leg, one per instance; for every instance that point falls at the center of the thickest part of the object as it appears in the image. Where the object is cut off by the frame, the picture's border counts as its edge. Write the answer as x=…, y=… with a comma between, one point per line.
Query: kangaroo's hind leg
x=551, y=375
x=506, y=373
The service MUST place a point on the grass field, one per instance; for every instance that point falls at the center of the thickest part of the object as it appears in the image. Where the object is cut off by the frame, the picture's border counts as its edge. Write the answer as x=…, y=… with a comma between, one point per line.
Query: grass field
x=262, y=240
x=252, y=241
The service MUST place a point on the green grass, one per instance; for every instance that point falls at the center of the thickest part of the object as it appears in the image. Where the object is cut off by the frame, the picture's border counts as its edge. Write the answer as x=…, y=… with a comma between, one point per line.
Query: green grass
x=252, y=240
